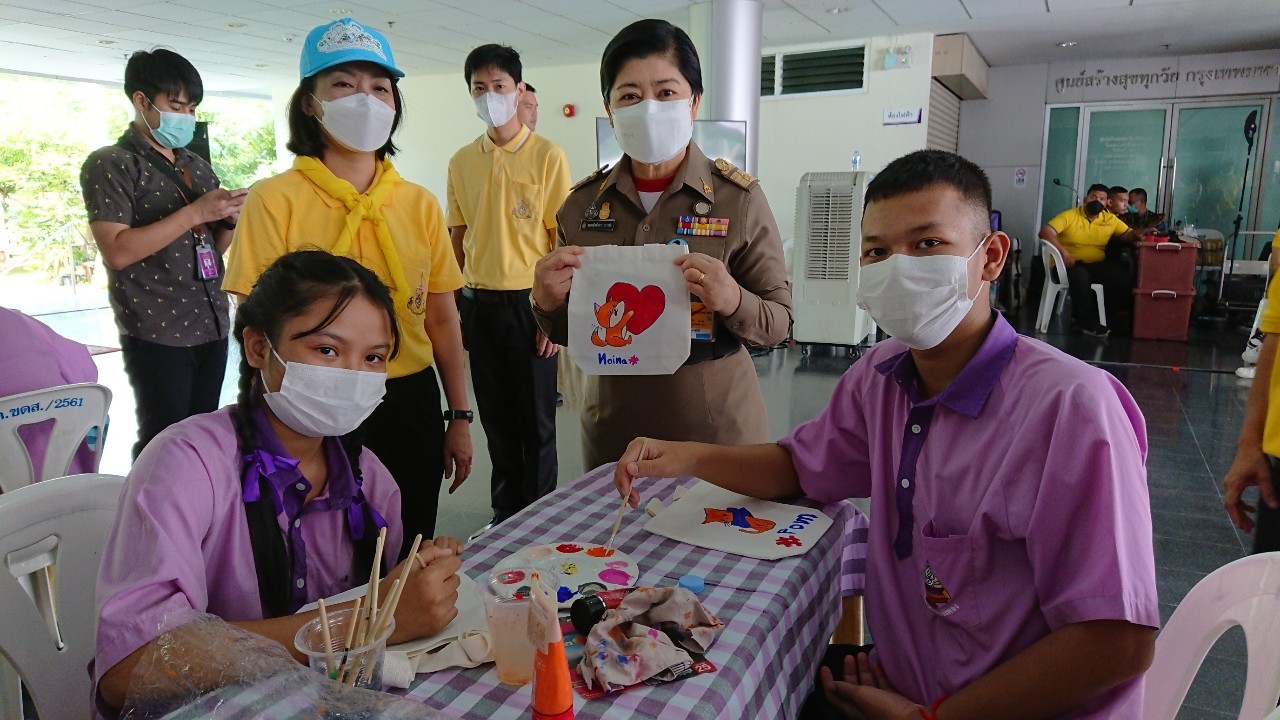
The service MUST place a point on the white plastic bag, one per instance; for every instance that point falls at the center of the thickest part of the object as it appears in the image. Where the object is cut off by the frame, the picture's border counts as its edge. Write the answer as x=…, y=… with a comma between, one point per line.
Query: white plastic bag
x=711, y=517
x=629, y=311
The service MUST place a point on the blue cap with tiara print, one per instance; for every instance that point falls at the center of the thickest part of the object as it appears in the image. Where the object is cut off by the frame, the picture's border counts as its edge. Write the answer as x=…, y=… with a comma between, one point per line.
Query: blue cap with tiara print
x=345, y=41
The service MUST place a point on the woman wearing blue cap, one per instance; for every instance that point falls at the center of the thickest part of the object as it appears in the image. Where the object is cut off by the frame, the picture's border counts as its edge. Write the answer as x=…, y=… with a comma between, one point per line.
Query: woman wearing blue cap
x=343, y=195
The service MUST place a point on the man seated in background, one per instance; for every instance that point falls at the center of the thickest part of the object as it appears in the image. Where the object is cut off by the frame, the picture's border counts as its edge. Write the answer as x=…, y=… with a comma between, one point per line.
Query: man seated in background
x=1140, y=218
x=1117, y=200
x=1082, y=234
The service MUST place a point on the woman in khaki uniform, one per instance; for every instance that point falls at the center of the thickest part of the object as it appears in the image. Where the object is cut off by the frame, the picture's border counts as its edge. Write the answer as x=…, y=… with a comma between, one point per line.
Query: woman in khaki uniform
x=651, y=81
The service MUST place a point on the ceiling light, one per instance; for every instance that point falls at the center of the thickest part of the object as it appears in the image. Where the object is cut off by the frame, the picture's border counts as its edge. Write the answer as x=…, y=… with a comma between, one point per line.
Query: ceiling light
x=340, y=11
x=106, y=42
x=259, y=64
x=237, y=25
x=837, y=10
x=1067, y=44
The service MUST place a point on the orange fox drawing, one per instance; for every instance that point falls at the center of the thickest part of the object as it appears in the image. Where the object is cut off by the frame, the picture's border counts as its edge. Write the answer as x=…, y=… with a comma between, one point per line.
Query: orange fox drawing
x=612, y=317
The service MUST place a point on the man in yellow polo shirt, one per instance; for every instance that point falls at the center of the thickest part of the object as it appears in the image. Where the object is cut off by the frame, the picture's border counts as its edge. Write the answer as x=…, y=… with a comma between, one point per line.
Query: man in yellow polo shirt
x=1081, y=234
x=1258, y=448
x=504, y=191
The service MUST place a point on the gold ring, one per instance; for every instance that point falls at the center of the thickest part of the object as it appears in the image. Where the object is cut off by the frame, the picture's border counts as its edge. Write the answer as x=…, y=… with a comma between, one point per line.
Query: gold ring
x=701, y=276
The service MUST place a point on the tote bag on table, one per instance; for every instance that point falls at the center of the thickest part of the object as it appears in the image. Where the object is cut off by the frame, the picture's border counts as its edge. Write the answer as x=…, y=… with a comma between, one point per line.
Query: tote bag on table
x=629, y=311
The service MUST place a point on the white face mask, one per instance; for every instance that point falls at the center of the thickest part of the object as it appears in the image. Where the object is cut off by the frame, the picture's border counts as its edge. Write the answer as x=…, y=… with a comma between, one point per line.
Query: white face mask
x=496, y=109
x=918, y=300
x=653, y=131
x=318, y=401
x=359, y=122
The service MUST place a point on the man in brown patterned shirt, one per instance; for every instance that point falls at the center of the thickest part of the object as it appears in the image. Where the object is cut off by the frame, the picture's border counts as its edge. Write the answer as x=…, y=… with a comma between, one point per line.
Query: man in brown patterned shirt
x=161, y=223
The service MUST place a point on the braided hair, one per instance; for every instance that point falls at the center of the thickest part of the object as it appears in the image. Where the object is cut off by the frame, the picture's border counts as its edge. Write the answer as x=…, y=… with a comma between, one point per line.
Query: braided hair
x=285, y=290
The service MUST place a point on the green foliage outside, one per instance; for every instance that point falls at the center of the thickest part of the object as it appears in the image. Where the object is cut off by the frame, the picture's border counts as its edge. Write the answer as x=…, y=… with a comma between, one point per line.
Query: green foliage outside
x=47, y=129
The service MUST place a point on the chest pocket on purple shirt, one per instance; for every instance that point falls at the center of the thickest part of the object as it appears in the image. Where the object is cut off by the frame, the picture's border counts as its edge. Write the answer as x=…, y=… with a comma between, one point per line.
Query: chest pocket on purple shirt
x=947, y=584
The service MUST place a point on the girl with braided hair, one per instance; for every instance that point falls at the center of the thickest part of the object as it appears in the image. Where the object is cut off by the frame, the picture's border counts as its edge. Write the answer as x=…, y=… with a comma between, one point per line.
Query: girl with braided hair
x=257, y=509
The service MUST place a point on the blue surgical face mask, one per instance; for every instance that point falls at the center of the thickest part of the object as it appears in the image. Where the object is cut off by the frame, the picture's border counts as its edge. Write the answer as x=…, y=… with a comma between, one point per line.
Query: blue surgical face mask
x=175, y=129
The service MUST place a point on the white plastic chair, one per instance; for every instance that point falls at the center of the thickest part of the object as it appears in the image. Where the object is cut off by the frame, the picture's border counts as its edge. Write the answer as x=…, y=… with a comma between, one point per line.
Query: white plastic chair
x=50, y=619
x=1055, y=290
x=75, y=409
x=1245, y=593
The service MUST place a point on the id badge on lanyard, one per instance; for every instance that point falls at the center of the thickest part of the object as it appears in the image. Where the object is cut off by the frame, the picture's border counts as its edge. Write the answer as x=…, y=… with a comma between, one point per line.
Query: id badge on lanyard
x=206, y=256
x=206, y=262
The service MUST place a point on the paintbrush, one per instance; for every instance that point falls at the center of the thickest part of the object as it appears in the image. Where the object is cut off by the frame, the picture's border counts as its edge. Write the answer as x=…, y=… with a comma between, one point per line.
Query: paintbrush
x=617, y=523
x=328, y=641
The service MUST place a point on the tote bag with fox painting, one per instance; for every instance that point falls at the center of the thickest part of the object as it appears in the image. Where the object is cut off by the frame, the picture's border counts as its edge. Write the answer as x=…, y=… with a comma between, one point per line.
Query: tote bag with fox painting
x=629, y=311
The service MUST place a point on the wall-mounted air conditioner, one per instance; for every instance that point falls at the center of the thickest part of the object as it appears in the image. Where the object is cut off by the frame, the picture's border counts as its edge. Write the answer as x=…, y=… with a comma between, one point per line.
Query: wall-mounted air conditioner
x=828, y=238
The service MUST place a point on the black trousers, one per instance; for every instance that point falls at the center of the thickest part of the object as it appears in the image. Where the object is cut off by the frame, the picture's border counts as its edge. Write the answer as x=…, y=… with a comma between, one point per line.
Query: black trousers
x=816, y=706
x=1114, y=276
x=171, y=383
x=1266, y=535
x=516, y=396
x=406, y=432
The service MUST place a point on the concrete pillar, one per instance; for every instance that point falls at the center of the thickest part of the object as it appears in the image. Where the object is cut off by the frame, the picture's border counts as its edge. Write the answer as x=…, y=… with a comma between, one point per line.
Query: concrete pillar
x=727, y=34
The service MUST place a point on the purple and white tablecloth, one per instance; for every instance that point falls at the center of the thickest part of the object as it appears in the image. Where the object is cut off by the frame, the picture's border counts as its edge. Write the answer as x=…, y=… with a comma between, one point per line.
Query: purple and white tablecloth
x=778, y=614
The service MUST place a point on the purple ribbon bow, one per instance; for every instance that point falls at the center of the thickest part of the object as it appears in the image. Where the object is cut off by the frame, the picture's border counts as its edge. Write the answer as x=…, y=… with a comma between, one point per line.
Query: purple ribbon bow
x=355, y=518
x=262, y=463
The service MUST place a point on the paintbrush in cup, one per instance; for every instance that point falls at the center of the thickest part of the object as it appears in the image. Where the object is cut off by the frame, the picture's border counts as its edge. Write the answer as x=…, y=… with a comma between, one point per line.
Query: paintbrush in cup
x=352, y=621
x=328, y=640
x=393, y=598
x=617, y=522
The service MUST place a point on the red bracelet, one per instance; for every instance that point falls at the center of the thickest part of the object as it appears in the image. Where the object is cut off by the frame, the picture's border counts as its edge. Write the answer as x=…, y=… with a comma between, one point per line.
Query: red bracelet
x=932, y=712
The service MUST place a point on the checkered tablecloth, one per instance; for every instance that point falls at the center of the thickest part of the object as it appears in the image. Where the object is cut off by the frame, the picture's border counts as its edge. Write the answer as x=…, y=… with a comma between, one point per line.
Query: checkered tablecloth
x=778, y=614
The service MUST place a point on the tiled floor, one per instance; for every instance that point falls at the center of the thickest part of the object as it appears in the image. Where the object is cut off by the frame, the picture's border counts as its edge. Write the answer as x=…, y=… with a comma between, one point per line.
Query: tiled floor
x=1192, y=402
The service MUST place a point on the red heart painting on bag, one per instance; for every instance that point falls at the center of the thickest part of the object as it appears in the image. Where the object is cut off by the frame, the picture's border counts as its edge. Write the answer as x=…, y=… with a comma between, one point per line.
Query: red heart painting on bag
x=646, y=305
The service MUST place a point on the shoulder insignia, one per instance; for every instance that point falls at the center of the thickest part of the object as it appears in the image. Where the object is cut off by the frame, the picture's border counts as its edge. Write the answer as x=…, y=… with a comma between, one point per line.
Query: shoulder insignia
x=586, y=180
x=731, y=173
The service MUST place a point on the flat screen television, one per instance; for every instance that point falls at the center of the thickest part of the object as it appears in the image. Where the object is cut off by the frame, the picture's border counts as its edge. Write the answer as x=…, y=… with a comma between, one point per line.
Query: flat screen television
x=718, y=139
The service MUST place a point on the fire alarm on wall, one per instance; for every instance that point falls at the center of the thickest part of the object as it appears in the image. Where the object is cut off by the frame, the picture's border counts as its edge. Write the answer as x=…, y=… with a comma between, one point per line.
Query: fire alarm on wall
x=568, y=110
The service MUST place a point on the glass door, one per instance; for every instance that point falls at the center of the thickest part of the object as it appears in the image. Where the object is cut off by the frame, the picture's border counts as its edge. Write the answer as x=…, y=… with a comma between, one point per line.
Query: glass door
x=1215, y=167
x=1125, y=146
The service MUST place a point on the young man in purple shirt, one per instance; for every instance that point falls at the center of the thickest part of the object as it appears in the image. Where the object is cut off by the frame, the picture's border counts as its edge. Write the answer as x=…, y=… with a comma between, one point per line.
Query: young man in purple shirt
x=1010, y=565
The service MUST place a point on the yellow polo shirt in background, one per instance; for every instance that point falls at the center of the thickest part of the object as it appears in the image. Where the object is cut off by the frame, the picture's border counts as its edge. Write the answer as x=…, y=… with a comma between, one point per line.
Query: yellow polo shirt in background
x=1085, y=240
x=507, y=197
x=288, y=212
x=1271, y=325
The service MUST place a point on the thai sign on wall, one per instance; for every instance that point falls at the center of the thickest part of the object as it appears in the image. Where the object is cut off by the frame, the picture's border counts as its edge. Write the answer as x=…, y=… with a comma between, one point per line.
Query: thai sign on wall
x=1241, y=73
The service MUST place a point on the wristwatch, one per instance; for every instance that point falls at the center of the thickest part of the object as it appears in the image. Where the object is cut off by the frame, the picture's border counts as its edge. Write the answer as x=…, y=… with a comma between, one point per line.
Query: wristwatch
x=467, y=415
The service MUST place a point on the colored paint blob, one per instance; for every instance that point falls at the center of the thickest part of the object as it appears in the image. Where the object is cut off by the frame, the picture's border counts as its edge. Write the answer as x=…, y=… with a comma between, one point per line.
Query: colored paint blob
x=600, y=552
x=539, y=552
x=613, y=576
x=511, y=578
x=569, y=568
x=564, y=594
x=616, y=564
x=568, y=548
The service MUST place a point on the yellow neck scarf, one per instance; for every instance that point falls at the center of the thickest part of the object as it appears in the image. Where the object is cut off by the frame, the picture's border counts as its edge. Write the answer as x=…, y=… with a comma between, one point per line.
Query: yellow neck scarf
x=359, y=207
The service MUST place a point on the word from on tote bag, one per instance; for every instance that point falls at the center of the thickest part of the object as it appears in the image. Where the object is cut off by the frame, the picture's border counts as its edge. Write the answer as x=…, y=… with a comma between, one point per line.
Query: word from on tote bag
x=629, y=311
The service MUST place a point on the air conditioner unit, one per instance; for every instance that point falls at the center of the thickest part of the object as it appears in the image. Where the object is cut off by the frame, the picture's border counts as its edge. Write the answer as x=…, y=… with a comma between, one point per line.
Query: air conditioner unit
x=827, y=243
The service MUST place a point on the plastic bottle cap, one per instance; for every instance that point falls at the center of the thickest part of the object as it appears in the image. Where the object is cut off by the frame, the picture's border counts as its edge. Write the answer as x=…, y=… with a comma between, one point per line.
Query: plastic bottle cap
x=692, y=583
x=585, y=612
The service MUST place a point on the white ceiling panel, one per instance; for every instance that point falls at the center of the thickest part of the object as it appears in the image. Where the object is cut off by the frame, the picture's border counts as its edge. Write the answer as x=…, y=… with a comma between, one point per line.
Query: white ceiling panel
x=906, y=12
x=175, y=13
x=60, y=36
x=56, y=7
x=1070, y=6
x=979, y=9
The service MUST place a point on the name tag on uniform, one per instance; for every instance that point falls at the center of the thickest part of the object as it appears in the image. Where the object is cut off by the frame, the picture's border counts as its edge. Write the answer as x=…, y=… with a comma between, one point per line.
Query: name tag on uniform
x=599, y=225
x=702, y=322
x=206, y=262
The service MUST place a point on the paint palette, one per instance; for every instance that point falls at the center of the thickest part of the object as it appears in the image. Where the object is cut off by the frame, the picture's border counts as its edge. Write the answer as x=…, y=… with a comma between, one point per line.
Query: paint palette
x=583, y=568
